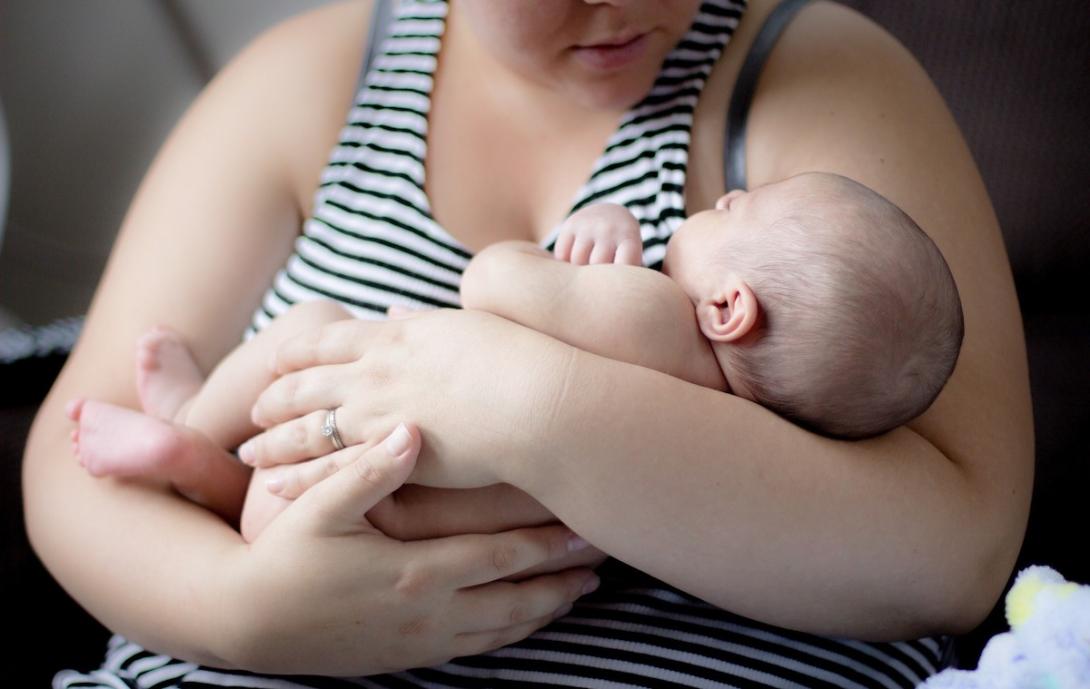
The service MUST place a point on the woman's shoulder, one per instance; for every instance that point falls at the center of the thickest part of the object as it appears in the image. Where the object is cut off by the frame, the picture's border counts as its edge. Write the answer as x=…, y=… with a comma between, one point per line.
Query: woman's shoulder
x=302, y=73
x=824, y=45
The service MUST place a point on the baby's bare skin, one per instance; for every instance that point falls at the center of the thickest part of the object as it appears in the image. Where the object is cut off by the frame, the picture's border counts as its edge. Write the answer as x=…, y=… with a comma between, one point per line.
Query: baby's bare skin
x=622, y=311
x=613, y=307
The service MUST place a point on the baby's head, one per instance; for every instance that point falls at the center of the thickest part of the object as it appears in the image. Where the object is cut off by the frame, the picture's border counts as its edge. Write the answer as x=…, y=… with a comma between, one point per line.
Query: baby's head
x=823, y=301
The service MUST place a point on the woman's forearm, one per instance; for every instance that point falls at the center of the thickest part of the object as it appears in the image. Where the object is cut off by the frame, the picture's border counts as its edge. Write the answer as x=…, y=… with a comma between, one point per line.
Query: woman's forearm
x=121, y=549
x=727, y=501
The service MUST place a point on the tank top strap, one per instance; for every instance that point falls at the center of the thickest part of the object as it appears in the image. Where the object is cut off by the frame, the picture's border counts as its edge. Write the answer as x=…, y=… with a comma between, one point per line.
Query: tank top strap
x=734, y=153
x=381, y=13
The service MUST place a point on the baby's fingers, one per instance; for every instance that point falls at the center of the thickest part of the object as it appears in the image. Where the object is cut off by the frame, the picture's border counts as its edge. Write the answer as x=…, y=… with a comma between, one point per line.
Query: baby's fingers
x=564, y=243
x=603, y=252
x=630, y=253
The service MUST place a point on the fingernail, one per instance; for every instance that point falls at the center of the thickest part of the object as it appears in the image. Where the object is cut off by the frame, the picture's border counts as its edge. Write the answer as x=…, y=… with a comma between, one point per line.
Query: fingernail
x=576, y=542
x=246, y=452
x=398, y=441
x=274, y=485
x=591, y=585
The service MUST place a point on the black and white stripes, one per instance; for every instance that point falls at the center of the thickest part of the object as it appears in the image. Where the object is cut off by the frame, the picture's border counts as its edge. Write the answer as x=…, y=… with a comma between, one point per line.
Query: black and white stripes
x=373, y=242
x=623, y=635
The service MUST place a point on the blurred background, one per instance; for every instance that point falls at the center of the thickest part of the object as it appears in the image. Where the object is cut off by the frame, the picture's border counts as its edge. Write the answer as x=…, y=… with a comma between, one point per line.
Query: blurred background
x=89, y=90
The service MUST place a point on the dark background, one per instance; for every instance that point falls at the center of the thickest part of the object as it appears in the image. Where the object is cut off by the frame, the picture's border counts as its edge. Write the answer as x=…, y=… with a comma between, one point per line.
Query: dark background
x=1017, y=77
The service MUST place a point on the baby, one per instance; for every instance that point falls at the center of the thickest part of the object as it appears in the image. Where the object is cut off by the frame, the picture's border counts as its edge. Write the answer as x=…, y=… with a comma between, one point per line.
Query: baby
x=815, y=297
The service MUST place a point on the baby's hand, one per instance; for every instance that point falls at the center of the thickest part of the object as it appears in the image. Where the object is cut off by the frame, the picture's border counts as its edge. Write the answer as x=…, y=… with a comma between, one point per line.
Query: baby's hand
x=602, y=233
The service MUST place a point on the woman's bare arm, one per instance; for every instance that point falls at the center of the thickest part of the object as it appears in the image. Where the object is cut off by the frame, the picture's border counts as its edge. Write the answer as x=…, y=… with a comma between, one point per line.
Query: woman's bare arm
x=186, y=257
x=913, y=532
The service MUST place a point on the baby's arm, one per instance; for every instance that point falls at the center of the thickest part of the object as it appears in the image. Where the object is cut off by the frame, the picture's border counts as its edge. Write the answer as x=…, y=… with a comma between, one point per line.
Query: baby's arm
x=623, y=312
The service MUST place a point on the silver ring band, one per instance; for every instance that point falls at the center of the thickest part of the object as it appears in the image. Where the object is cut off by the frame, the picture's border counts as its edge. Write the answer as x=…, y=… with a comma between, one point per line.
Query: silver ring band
x=329, y=429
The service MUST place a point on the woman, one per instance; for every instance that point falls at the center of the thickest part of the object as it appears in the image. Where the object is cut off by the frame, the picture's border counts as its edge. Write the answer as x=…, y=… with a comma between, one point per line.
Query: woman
x=910, y=534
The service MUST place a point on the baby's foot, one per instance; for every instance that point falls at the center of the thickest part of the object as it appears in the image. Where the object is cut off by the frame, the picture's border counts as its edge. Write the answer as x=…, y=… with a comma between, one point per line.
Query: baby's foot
x=166, y=374
x=115, y=441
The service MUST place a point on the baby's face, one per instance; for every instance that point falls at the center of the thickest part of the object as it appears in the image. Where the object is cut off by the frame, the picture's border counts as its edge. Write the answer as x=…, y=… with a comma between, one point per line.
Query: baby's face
x=700, y=249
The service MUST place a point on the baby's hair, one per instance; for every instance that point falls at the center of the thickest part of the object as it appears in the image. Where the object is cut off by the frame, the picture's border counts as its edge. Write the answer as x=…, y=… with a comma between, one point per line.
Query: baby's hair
x=861, y=320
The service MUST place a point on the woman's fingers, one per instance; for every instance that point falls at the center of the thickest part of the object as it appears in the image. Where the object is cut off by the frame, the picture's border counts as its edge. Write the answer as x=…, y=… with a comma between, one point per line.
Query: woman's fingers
x=296, y=394
x=473, y=559
x=290, y=442
x=336, y=343
x=476, y=643
x=497, y=606
x=292, y=480
x=340, y=502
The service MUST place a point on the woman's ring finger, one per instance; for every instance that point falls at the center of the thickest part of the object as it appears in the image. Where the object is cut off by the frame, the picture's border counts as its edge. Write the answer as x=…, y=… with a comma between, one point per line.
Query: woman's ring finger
x=329, y=429
x=314, y=435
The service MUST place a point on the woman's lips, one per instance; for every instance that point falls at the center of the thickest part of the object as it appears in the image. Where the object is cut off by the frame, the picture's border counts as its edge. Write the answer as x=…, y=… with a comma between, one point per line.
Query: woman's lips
x=609, y=56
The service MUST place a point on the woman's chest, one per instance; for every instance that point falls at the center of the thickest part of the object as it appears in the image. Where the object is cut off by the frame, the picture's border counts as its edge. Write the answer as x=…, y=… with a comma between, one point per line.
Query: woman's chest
x=489, y=179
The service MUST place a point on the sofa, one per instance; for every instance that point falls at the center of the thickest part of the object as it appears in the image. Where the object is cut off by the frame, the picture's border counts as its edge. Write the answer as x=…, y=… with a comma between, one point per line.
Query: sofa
x=1015, y=78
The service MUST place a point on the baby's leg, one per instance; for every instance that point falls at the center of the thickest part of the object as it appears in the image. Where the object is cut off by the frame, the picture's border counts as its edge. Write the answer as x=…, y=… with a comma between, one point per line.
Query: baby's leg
x=114, y=441
x=221, y=408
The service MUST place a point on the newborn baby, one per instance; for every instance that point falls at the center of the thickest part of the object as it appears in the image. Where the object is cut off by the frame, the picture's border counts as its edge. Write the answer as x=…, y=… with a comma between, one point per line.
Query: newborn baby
x=814, y=296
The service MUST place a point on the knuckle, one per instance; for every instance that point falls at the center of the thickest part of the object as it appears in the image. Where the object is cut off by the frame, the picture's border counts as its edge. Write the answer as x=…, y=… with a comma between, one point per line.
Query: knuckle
x=517, y=615
x=503, y=557
x=297, y=436
x=369, y=473
x=287, y=389
x=379, y=375
x=413, y=582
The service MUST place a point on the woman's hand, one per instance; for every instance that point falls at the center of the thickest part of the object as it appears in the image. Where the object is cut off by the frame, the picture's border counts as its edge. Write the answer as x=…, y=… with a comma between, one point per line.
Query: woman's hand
x=383, y=605
x=460, y=375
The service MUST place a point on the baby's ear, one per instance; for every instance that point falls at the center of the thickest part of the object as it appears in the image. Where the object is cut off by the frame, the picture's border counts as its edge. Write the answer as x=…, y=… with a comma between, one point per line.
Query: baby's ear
x=730, y=313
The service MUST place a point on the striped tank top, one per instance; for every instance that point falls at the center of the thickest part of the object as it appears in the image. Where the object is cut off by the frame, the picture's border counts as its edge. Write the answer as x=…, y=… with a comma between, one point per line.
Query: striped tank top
x=372, y=242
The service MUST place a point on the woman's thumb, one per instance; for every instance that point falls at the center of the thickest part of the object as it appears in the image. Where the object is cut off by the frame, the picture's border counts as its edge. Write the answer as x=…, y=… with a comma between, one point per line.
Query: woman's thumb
x=344, y=498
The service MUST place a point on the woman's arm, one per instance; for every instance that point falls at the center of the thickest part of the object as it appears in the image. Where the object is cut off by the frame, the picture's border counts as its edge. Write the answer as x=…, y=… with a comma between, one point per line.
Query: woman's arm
x=912, y=532
x=213, y=220
x=218, y=188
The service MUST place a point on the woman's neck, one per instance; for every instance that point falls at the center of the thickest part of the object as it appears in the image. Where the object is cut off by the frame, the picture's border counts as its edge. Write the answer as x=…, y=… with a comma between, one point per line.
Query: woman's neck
x=522, y=100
